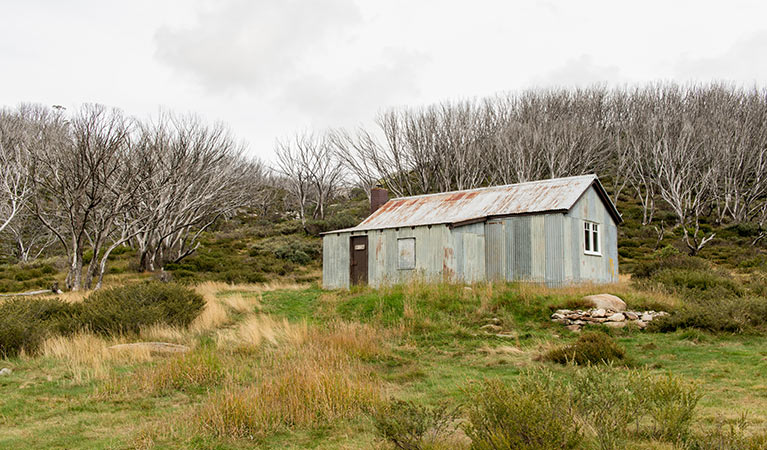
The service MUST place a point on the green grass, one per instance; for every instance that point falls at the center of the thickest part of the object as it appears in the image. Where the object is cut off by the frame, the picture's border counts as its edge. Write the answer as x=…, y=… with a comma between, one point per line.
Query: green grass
x=431, y=349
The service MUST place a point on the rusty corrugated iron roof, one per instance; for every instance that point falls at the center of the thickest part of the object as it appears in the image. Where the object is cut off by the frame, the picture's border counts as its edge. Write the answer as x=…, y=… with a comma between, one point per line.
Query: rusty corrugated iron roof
x=459, y=207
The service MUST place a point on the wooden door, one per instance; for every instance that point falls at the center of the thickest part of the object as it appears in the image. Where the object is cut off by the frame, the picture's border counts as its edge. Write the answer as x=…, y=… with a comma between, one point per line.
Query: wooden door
x=358, y=272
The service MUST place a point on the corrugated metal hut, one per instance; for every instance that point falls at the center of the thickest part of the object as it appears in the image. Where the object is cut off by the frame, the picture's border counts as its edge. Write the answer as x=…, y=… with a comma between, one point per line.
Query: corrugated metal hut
x=558, y=231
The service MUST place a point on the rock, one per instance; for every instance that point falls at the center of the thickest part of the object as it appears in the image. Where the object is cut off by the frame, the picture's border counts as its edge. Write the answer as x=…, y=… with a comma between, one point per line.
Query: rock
x=490, y=328
x=557, y=316
x=606, y=301
x=153, y=347
x=5, y=371
x=647, y=317
x=615, y=324
x=579, y=322
x=598, y=313
x=630, y=315
x=597, y=319
x=617, y=317
x=574, y=328
x=640, y=324
x=564, y=312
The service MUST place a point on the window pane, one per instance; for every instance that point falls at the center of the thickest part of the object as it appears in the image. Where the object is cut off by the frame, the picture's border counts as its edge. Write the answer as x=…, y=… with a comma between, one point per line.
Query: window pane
x=587, y=237
x=595, y=236
x=406, y=248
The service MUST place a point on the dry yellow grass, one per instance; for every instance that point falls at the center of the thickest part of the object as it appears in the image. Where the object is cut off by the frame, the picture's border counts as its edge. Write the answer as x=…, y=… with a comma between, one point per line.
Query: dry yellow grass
x=310, y=386
x=353, y=338
x=165, y=333
x=257, y=330
x=87, y=356
x=240, y=303
x=213, y=316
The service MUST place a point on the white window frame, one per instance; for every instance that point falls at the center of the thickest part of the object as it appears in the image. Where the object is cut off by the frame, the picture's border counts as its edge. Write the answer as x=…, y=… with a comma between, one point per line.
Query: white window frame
x=400, y=266
x=592, y=230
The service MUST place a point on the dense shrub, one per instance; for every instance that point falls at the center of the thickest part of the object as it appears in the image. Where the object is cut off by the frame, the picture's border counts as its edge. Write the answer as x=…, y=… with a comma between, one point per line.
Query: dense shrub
x=669, y=260
x=590, y=348
x=697, y=283
x=530, y=413
x=26, y=322
x=731, y=315
x=128, y=308
x=410, y=426
x=598, y=408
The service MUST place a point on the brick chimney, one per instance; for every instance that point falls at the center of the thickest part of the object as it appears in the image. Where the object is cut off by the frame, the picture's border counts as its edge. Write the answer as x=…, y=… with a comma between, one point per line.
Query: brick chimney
x=378, y=196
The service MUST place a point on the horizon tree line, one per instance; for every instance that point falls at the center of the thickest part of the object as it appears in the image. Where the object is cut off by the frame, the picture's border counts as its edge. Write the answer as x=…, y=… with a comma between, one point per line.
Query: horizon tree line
x=94, y=179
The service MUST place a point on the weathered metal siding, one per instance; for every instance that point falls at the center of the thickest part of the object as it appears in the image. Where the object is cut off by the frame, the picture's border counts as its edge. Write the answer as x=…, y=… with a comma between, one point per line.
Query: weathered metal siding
x=555, y=249
x=531, y=249
x=335, y=260
x=600, y=269
x=469, y=246
x=495, y=250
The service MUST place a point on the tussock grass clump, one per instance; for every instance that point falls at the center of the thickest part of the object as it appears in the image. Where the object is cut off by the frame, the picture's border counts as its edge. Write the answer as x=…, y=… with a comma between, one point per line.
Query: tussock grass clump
x=190, y=372
x=257, y=331
x=590, y=348
x=213, y=316
x=87, y=356
x=308, y=387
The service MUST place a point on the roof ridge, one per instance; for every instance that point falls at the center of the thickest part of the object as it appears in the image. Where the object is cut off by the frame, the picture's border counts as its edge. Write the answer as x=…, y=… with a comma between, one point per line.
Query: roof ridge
x=547, y=180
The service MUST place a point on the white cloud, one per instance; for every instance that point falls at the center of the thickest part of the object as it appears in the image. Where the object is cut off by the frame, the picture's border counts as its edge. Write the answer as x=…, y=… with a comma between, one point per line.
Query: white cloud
x=254, y=44
x=745, y=62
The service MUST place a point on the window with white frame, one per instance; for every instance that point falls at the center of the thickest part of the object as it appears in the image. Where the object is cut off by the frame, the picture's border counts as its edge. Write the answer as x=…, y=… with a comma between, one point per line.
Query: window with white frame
x=591, y=239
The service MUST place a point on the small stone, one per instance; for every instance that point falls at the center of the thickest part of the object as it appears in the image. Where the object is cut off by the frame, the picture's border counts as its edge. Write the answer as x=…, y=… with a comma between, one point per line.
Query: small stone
x=640, y=324
x=556, y=316
x=563, y=311
x=574, y=328
x=5, y=371
x=617, y=317
x=598, y=313
x=579, y=322
x=630, y=315
x=615, y=324
x=597, y=319
x=647, y=317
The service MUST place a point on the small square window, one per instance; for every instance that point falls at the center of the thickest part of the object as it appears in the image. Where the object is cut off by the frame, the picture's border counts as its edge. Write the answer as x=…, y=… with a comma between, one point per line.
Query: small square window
x=591, y=238
x=406, y=253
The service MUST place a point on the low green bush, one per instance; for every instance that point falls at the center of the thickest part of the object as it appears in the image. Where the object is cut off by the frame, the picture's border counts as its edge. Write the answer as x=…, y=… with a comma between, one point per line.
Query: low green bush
x=126, y=309
x=590, y=348
x=730, y=315
x=598, y=407
x=669, y=259
x=410, y=426
x=26, y=322
x=530, y=413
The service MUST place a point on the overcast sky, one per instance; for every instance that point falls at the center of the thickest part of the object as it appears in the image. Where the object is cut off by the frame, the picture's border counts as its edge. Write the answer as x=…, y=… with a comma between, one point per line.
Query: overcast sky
x=270, y=68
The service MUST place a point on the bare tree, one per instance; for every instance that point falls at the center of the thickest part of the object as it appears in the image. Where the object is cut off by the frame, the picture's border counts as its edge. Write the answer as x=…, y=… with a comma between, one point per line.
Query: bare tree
x=78, y=180
x=14, y=166
x=194, y=175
